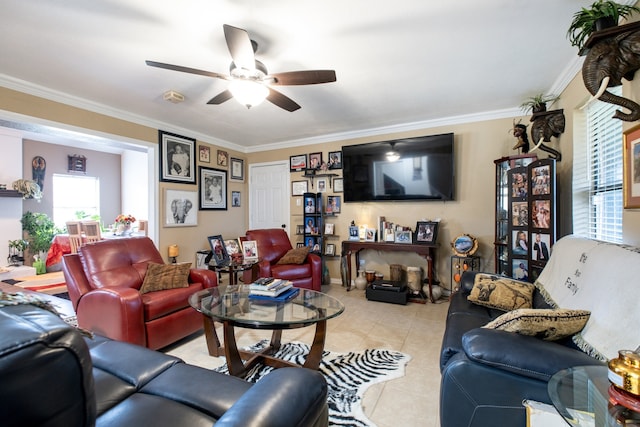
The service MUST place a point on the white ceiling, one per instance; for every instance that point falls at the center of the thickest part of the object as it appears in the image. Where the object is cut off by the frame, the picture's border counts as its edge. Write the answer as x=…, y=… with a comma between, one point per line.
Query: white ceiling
x=400, y=65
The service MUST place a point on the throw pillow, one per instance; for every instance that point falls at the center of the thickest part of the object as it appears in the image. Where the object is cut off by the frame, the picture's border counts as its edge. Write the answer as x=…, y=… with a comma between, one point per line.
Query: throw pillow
x=295, y=256
x=165, y=276
x=548, y=324
x=500, y=292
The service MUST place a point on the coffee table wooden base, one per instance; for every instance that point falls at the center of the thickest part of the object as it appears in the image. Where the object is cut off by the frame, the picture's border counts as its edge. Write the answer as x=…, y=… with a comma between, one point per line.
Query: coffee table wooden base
x=239, y=362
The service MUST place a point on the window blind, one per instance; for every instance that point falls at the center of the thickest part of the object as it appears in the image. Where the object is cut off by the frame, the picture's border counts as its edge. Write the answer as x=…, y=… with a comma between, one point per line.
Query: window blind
x=598, y=175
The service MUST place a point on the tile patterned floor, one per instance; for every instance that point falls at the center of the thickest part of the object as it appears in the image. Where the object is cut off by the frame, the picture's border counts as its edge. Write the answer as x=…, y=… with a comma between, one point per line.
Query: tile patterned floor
x=415, y=329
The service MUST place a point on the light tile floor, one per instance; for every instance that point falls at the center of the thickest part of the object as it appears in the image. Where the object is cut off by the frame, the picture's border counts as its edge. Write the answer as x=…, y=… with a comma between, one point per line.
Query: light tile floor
x=414, y=329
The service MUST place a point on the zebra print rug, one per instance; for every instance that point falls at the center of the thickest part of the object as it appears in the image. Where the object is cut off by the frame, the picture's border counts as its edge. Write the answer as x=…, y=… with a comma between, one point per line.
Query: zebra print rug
x=348, y=376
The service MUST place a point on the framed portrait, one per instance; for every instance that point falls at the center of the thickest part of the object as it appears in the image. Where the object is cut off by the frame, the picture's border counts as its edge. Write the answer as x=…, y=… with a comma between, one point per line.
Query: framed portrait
x=426, y=232
x=540, y=247
x=250, y=250
x=631, y=168
x=235, y=199
x=370, y=235
x=329, y=228
x=299, y=229
x=213, y=189
x=298, y=188
x=205, y=154
x=519, y=185
x=219, y=254
x=338, y=185
x=520, y=239
x=177, y=158
x=179, y=208
x=223, y=158
x=297, y=163
x=322, y=185
x=354, y=233
x=333, y=204
x=232, y=246
x=541, y=214
x=403, y=236
x=330, y=249
x=315, y=160
x=520, y=269
x=309, y=205
x=335, y=160
x=310, y=225
x=237, y=169
x=541, y=180
x=519, y=214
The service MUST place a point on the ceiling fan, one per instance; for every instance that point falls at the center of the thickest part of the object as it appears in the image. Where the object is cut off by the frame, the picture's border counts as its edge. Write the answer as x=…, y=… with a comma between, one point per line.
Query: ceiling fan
x=250, y=83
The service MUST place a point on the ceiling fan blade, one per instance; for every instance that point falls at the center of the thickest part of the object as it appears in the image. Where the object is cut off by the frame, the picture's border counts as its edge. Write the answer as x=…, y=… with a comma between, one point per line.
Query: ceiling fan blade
x=282, y=101
x=186, y=69
x=221, y=97
x=240, y=47
x=309, y=77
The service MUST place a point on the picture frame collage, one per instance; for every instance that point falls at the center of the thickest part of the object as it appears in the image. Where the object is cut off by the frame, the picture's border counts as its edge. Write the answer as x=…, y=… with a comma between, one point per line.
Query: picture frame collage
x=531, y=228
x=178, y=165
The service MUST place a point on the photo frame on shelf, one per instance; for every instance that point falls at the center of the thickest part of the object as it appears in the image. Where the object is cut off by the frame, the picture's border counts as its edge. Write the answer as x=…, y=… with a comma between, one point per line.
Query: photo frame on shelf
x=315, y=160
x=236, y=169
x=354, y=233
x=631, y=168
x=329, y=228
x=330, y=249
x=219, y=255
x=179, y=208
x=213, y=189
x=232, y=246
x=338, y=185
x=205, y=154
x=300, y=245
x=309, y=205
x=177, y=158
x=223, y=158
x=370, y=235
x=403, y=236
x=322, y=185
x=250, y=250
x=297, y=163
x=299, y=229
x=333, y=204
x=426, y=232
x=235, y=199
x=335, y=160
x=298, y=188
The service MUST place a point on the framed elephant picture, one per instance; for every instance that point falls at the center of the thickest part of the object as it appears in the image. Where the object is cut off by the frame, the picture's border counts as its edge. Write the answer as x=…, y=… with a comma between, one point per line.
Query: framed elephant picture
x=180, y=208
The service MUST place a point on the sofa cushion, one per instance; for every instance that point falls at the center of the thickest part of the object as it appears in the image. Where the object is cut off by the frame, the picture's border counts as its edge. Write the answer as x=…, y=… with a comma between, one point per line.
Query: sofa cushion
x=161, y=277
x=501, y=293
x=295, y=256
x=548, y=324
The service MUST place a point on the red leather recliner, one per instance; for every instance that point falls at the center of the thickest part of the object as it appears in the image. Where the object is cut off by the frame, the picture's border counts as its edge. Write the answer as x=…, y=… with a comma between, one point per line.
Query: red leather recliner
x=104, y=279
x=273, y=243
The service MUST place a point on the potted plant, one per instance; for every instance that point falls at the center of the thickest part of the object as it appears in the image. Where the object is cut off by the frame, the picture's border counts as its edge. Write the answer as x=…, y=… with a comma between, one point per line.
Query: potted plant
x=16, y=251
x=538, y=103
x=600, y=15
x=40, y=229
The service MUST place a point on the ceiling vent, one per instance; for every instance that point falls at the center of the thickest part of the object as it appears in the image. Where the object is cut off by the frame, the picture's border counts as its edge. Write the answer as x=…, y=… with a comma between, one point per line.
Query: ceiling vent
x=173, y=96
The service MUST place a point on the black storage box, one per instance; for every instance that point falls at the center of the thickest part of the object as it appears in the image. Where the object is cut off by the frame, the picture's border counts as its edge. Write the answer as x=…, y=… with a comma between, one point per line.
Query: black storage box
x=395, y=294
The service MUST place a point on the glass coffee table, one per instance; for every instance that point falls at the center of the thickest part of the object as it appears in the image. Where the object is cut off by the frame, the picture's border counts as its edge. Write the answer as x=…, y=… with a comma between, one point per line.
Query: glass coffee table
x=232, y=306
x=581, y=395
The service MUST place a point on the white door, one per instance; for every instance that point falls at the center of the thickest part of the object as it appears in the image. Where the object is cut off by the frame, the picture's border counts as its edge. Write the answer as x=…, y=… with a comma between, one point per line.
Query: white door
x=269, y=195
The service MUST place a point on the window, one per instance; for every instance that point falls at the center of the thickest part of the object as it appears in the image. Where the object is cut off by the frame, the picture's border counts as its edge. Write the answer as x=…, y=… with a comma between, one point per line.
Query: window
x=597, y=174
x=72, y=194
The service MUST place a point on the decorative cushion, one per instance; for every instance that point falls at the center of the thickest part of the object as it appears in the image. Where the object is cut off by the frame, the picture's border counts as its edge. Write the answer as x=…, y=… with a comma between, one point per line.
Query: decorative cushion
x=548, y=324
x=295, y=256
x=500, y=292
x=165, y=276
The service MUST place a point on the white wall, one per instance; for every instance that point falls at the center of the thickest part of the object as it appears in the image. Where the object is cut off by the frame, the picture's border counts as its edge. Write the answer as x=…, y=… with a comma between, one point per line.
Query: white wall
x=135, y=185
x=10, y=207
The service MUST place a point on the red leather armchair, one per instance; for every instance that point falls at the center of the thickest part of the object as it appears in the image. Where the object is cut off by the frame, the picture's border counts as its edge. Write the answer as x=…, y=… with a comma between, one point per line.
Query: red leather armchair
x=273, y=243
x=104, y=279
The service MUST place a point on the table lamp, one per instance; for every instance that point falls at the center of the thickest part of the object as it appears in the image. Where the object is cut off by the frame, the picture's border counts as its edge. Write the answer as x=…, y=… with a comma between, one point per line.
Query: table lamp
x=173, y=253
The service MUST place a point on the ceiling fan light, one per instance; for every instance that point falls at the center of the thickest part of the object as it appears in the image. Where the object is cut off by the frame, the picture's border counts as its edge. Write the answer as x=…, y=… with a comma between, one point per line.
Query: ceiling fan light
x=248, y=92
x=392, y=156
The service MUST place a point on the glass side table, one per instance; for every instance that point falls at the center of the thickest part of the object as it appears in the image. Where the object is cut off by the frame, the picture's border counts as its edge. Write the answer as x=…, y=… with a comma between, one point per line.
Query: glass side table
x=581, y=396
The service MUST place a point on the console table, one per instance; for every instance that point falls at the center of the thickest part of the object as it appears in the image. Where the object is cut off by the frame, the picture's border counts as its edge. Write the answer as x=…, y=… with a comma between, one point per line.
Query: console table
x=427, y=251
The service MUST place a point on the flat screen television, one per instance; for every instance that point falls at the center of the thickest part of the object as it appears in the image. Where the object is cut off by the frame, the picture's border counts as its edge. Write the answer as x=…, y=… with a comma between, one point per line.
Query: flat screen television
x=423, y=171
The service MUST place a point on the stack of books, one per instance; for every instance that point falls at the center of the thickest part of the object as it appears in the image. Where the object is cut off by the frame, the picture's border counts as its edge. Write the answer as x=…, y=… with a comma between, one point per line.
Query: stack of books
x=270, y=288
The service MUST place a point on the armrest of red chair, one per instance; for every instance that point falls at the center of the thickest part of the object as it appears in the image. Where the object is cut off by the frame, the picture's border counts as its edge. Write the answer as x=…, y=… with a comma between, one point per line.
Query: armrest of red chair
x=114, y=312
x=316, y=270
x=74, y=277
x=208, y=278
x=264, y=269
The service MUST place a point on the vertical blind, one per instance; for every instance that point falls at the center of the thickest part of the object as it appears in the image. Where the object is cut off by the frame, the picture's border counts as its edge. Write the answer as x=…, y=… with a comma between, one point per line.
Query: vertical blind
x=598, y=175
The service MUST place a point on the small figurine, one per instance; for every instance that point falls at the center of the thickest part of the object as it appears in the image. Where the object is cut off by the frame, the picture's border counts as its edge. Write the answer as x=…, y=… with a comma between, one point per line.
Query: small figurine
x=520, y=132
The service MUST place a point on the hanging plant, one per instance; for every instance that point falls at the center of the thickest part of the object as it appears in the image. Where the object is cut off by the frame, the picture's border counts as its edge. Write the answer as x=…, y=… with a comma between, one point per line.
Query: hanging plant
x=538, y=103
x=601, y=14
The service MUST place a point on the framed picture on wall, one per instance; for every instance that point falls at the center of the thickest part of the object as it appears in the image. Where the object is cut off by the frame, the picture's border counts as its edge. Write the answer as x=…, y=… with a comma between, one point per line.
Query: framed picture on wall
x=205, y=154
x=631, y=169
x=179, y=208
x=297, y=163
x=237, y=170
x=177, y=158
x=213, y=188
x=298, y=188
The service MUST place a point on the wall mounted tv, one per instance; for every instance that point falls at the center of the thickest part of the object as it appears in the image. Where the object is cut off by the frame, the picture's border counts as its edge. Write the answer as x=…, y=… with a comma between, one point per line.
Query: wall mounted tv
x=424, y=170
